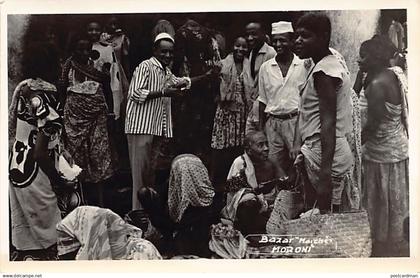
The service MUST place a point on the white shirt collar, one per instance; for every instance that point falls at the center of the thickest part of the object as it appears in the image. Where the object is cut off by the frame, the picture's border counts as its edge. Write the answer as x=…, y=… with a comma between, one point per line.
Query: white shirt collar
x=296, y=61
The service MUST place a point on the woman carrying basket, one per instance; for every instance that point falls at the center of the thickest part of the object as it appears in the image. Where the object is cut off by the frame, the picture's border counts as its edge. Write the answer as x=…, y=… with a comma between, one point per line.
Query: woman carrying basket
x=325, y=115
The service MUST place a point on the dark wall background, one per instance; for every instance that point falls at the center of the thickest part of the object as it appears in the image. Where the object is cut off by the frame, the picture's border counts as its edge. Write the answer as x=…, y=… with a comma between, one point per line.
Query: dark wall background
x=138, y=28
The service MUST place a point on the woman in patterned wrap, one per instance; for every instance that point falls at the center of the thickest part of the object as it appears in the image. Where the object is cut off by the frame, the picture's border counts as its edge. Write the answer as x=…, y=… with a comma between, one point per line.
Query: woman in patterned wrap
x=35, y=126
x=85, y=91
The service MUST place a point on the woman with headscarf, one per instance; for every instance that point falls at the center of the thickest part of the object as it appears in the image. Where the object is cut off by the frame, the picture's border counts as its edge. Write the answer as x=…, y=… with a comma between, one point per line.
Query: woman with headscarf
x=187, y=212
x=35, y=126
x=92, y=233
x=84, y=91
x=385, y=147
x=189, y=186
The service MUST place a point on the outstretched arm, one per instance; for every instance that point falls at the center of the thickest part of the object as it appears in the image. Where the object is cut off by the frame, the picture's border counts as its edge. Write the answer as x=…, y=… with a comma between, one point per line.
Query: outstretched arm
x=138, y=91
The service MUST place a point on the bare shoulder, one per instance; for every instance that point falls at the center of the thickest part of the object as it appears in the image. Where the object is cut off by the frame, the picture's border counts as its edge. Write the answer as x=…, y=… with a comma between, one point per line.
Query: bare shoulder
x=376, y=90
x=387, y=77
x=384, y=83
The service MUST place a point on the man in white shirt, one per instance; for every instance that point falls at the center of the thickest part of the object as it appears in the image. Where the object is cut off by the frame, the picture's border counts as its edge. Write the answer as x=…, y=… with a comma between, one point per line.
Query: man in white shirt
x=278, y=89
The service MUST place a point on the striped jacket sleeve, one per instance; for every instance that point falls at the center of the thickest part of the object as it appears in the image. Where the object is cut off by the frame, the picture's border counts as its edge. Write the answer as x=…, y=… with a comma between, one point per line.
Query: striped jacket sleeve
x=138, y=91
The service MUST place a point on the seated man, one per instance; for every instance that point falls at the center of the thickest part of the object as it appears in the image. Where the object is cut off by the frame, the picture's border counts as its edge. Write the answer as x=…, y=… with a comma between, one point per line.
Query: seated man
x=255, y=166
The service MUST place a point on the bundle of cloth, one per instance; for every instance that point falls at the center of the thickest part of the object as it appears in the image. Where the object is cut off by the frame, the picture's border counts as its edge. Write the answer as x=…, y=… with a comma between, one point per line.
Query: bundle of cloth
x=226, y=242
x=93, y=233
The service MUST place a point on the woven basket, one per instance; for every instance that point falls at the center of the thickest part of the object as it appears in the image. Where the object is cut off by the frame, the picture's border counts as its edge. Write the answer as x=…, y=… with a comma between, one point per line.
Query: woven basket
x=350, y=230
x=288, y=205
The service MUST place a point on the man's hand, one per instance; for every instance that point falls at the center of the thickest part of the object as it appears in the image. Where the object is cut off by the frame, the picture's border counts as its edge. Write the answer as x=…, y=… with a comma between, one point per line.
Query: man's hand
x=294, y=152
x=182, y=83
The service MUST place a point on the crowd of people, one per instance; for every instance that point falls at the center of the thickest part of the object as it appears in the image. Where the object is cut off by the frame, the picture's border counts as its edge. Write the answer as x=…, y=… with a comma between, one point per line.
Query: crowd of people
x=239, y=124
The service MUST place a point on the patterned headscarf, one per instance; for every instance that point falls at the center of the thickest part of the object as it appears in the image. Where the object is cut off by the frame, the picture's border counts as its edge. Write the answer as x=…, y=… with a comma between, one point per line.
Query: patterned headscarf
x=34, y=85
x=189, y=184
x=13, y=111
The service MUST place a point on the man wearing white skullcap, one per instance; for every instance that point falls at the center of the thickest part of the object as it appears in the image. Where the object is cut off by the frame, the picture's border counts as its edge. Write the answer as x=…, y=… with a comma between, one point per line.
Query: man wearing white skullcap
x=278, y=89
x=148, y=116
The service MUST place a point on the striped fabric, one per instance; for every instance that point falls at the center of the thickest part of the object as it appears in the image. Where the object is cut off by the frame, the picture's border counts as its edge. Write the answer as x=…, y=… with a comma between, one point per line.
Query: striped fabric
x=152, y=116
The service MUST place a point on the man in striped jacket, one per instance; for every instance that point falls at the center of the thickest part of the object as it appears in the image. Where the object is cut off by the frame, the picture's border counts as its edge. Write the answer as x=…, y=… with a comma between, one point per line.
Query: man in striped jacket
x=149, y=109
x=148, y=114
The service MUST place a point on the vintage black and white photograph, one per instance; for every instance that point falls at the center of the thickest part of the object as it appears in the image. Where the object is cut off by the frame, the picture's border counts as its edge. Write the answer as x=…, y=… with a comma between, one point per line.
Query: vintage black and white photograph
x=278, y=134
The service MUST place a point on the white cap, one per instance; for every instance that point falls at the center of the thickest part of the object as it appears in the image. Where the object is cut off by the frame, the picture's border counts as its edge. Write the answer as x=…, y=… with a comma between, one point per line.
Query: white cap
x=162, y=36
x=281, y=27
